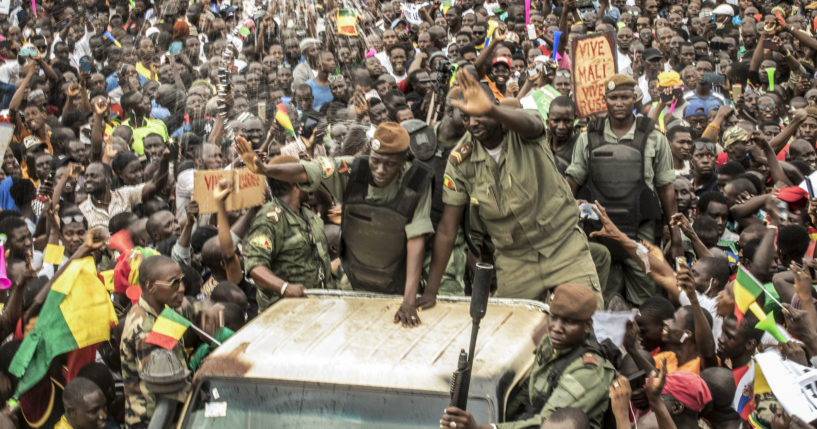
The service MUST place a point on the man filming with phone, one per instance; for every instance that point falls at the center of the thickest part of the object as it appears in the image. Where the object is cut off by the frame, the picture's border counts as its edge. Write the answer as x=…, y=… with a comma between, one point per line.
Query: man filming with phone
x=386, y=211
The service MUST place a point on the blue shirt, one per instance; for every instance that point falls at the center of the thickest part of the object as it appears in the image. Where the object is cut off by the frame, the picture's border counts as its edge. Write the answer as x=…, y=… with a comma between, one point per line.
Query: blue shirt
x=6, y=202
x=321, y=94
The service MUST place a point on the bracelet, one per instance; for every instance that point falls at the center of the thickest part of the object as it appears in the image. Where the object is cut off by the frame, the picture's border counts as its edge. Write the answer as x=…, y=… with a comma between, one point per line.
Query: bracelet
x=284, y=288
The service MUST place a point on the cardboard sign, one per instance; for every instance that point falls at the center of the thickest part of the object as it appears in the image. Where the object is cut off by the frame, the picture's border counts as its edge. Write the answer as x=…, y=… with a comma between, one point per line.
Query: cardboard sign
x=594, y=61
x=6, y=133
x=248, y=189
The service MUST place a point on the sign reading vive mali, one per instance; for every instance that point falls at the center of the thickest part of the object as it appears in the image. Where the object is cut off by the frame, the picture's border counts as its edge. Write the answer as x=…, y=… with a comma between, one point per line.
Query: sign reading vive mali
x=594, y=61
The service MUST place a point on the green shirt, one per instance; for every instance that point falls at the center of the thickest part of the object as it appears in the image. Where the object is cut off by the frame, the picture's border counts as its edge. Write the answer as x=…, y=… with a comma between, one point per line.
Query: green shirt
x=286, y=242
x=658, y=170
x=151, y=126
x=526, y=207
x=333, y=174
x=584, y=385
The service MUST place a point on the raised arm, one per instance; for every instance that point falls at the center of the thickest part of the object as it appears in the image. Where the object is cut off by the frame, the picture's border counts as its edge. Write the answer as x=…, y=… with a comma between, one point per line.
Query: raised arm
x=484, y=57
x=478, y=104
x=290, y=172
x=225, y=239
x=160, y=179
x=704, y=339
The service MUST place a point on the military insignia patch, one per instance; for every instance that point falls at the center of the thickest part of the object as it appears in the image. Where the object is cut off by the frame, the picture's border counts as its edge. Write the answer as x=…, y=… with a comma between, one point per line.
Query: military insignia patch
x=344, y=167
x=449, y=183
x=460, y=153
x=375, y=144
x=611, y=85
x=327, y=167
x=261, y=241
x=275, y=214
x=588, y=358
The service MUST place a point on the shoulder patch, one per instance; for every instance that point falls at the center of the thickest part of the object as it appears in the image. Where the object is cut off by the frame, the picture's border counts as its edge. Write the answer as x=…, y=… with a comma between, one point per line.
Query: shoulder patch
x=344, y=167
x=460, y=153
x=261, y=241
x=588, y=358
x=449, y=183
x=274, y=213
x=327, y=167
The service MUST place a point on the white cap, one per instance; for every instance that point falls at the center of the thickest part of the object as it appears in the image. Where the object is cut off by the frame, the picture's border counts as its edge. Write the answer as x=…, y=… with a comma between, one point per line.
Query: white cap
x=724, y=9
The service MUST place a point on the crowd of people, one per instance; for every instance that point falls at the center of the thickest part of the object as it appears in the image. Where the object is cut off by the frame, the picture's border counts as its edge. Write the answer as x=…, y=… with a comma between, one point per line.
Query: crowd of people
x=402, y=143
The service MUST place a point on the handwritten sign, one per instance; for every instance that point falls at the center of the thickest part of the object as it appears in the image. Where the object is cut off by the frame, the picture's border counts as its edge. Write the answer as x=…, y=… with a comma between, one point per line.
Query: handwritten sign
x=411, y=12
x=248, y=189
x=594, y=61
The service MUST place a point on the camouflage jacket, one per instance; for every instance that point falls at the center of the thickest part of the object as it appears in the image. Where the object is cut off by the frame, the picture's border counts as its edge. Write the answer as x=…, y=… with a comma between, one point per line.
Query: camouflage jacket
x=134, y=351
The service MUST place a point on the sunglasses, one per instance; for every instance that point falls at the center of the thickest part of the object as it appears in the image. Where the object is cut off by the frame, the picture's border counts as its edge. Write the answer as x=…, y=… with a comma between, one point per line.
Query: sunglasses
x=766, y=106
x=78, y=218
x=335, y=78
x=703, y=145
x=174, y=284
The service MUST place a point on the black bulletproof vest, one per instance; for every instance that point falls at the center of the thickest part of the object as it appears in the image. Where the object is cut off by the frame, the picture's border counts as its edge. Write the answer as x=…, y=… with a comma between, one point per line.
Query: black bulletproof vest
x=373, y=233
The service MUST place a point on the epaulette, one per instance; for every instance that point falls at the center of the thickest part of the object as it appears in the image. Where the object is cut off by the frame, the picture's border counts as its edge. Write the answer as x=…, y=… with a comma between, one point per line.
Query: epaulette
x=460, y=153
x=588, y=358
x=274, y=213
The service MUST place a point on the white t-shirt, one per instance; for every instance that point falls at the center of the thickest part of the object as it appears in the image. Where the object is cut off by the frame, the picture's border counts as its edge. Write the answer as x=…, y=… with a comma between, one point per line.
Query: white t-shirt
x=710, y=305
x=495, y=153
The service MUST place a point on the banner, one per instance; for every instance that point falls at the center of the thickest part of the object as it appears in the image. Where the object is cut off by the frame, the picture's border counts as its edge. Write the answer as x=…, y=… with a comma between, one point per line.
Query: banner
x=594, y=61
x=248, y=189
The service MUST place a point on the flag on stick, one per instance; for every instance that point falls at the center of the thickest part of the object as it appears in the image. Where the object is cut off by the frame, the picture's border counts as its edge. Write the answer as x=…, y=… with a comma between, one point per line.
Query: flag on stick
x=168, y=329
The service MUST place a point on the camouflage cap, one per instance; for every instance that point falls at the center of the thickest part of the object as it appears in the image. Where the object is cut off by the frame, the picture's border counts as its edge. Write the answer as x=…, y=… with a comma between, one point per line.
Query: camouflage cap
x=734, y=135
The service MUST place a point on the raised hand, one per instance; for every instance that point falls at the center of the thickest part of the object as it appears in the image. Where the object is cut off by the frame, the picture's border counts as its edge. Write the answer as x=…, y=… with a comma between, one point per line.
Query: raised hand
x=476, y=102
x=223, y=189
x=244, y=148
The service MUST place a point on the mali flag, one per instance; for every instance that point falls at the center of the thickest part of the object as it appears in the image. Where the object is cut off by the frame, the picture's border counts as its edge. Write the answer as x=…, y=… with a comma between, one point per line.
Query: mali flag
x=347, y=22
x=282, y=117
x=168, y=329
x=747, y=288
x=77, y=313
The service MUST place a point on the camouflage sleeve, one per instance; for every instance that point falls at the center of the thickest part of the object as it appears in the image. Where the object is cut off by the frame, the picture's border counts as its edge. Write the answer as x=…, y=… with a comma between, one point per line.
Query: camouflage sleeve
x=331, y=173
x=583, y=385
x=262, y=244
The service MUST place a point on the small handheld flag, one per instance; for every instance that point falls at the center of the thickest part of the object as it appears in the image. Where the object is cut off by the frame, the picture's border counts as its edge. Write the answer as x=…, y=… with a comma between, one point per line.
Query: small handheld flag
x=282, y=117
x=168, y=329
x=347, y=22
x=110, y=37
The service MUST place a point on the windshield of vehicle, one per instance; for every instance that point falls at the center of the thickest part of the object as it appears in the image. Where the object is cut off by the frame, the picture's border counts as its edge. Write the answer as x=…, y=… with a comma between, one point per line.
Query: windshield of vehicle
x=248, y=403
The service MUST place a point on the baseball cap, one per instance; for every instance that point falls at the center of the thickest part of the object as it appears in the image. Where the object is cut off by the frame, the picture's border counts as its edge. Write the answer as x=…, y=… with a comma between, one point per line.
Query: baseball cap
x=651, y=54
x=501, y=60
x=696, y=109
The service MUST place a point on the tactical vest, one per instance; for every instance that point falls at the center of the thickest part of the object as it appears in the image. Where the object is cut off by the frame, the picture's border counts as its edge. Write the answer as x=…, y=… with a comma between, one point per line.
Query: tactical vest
x=616, y=176
x=373, y=233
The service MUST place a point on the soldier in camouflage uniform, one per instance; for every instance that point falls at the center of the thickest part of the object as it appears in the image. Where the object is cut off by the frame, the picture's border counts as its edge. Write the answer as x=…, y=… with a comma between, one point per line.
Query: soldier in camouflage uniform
x=287, y=251
x=161, y=281
x=570, y=349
